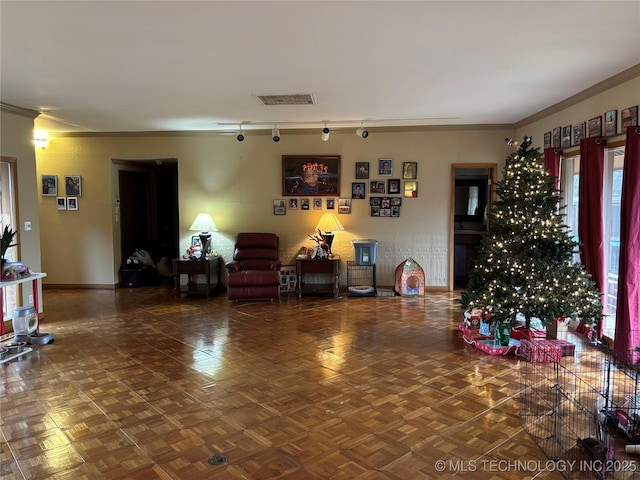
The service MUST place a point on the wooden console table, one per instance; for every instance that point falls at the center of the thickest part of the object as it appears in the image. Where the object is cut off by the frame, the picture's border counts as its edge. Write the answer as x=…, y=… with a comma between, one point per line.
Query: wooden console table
x=328, y=269
x=34, y=277
x=191, y=268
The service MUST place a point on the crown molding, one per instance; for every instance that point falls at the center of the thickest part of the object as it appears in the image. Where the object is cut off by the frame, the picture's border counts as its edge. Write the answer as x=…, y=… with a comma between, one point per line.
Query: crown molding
x=23, y=112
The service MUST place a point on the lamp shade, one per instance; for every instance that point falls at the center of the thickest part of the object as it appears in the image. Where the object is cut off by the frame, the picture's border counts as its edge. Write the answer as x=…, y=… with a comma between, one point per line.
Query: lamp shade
x=203, y=223
x=329, y=222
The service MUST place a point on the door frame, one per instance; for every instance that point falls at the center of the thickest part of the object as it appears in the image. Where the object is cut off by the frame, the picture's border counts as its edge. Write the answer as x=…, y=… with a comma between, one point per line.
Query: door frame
x=493, y=176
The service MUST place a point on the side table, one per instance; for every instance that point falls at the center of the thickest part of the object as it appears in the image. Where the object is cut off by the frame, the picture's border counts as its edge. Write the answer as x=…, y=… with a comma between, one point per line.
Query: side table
x=192, y=268
x=324, y=273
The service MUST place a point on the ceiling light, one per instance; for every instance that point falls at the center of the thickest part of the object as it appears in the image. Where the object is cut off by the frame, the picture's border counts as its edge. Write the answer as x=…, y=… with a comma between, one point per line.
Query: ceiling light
x=325, y=133
x=240, y=135
x=275, y=134
x=361, y=132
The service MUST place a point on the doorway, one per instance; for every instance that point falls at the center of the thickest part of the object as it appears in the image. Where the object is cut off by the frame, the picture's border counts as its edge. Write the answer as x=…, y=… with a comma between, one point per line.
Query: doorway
x=148, y=207
x=472, y=194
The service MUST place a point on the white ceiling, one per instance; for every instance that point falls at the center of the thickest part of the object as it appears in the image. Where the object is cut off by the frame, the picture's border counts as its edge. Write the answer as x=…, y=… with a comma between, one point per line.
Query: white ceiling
x=103, y=66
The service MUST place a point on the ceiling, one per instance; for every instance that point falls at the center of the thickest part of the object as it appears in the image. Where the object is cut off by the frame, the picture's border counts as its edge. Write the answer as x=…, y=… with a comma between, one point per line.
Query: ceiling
x=124, y=66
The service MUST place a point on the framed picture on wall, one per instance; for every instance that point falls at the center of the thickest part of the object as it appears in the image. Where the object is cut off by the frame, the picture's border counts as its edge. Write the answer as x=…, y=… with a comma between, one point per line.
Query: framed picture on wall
x=595, y=126
x=358, y=190
x=611, y=123
x=314, y=175
x=394, y=186
x=344, y=205
x=279, y=207
x=411, y=189
x=49, y=185
x=73, y=185
x=566, y=136
x=629, y=117
x=61, y=203
x=547, y=140
x=385, y=166
x=362, y=169
x=410, y=170
x=578, y=132
x=72, y=203
x=556, y=137
x=293, y=204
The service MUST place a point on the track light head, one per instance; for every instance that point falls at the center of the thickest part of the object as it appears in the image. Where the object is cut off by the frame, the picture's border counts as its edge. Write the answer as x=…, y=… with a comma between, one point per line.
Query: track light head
x=325, y=133
x=362, y=133
x=239, y=135
x=275, y=135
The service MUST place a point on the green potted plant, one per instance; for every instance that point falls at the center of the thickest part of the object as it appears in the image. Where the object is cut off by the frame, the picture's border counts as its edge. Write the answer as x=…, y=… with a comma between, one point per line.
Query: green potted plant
x=6, y=242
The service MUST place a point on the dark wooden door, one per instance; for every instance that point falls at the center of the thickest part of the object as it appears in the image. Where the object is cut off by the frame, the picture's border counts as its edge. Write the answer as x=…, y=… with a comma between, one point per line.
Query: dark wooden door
x=135, y=211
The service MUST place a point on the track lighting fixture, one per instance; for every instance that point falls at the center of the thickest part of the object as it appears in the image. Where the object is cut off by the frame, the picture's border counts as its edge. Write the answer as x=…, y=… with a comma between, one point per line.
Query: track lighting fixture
x=275, y=134
x=325, y=133
x=240, y=135
x=361, y=132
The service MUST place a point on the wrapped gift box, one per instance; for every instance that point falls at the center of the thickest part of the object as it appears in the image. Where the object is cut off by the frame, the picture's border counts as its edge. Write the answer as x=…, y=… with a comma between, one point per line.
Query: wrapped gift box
x=490, y=347
x=567, y=349
x=540, y=350
x=472, y=334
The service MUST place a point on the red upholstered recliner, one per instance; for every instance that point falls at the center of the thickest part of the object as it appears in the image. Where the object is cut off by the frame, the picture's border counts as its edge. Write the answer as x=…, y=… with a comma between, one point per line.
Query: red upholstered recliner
x=254, y=272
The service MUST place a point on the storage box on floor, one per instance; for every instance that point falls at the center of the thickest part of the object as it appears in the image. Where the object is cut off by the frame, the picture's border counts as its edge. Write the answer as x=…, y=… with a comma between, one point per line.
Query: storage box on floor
x=136, y=275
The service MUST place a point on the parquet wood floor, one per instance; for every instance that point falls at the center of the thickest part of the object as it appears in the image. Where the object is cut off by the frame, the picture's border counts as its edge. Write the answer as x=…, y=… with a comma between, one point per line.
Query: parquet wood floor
x=141, y=385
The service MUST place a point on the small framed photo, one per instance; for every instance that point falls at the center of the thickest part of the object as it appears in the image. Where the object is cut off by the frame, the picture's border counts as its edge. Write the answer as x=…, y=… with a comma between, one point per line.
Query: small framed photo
x=385, y=166
x=611, y=123
x=331, y=203
x=377, y=187
x=304, y=203
x=556, y=137
x=293, y=204
x=61, y=203
x=578, y=132
x=344, y=205
x=394, y=186
x=547, y=140
x=73, y=185
x=595, y=126
x=362, y=170
x=279, y=207
x=195, y=241
x=375, y=201
x=411, y=189
x=49, y=185
x=358, y=190
x=317, y=204
x=629, y=117
x=410, y=170
x=72, y=203
x=566, y=136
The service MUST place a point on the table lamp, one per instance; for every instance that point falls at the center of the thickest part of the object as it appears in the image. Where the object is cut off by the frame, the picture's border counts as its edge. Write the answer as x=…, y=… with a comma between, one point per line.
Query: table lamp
x=204, y=224
x=327, y=224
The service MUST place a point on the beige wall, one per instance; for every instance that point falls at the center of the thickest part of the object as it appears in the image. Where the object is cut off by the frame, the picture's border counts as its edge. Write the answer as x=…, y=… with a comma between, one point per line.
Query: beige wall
x=237, y=183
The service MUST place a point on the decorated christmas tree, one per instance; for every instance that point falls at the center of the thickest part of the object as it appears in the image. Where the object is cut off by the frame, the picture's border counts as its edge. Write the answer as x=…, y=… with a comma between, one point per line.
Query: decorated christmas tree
x=525, y=266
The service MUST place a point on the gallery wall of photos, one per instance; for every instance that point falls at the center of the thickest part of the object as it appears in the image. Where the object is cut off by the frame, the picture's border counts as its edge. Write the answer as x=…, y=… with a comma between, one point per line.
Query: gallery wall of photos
x=385, y=188
x=601, y=126
x=72, y=190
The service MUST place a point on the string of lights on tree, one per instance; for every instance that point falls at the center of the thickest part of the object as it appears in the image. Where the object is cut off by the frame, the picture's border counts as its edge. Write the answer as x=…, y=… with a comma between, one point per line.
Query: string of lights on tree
x=525, y=265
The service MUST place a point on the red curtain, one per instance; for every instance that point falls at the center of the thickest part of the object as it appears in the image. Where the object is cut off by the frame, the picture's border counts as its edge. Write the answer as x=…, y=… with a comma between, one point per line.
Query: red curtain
x=627, y=334
x=590, y=211
x=552, y=163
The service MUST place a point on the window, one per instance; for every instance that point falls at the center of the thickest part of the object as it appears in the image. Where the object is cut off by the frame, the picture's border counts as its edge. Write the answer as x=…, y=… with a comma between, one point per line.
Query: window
x=613, y=170
x=8, y=217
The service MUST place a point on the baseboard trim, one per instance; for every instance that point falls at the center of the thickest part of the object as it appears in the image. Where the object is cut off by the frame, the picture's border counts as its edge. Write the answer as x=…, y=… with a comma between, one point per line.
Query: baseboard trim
x=95, y=286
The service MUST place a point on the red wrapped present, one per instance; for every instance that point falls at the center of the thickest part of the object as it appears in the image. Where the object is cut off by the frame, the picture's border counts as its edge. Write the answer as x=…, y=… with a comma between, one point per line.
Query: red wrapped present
x=471, y=334
x=540, y=351
x=522, y=333
x=490, y=347
x=567, y=349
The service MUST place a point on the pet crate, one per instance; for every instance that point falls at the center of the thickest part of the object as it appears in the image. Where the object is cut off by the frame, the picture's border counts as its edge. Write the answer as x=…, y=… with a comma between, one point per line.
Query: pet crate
x=583, y=412
x=361, y=280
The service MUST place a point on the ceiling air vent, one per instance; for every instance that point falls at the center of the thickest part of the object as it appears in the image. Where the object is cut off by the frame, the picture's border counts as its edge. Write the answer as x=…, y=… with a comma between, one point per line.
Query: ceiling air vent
x=296, y=99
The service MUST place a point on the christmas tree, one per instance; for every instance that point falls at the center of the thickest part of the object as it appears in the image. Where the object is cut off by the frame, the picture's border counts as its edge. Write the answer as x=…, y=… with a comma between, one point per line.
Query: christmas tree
x=525, y=265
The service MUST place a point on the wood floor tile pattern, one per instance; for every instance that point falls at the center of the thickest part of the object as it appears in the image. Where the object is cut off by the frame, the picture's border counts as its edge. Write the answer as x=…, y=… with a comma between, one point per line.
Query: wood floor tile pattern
x=141, y=385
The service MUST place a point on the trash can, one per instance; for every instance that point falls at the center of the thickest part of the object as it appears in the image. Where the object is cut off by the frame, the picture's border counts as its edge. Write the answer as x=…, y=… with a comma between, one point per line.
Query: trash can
x=365, y=251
